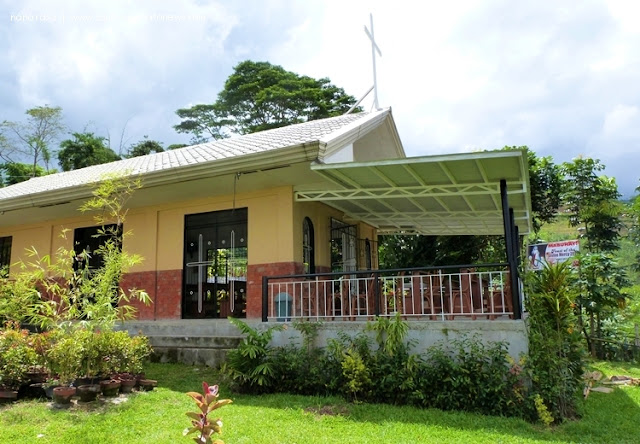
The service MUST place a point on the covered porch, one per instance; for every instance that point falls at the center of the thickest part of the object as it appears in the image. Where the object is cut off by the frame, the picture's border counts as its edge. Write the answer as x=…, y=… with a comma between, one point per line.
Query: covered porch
x=484, y=193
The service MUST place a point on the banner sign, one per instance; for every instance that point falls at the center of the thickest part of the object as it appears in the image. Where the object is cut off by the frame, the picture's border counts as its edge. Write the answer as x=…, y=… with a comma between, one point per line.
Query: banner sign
x=551, y=253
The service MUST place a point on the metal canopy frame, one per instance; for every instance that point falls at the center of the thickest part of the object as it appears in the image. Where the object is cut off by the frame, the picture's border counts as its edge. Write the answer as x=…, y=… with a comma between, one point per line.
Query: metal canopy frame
x=453, y=194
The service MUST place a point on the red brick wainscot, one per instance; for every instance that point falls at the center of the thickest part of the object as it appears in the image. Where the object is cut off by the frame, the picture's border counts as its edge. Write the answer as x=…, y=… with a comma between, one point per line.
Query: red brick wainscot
x=165, y=289
x=254, y=282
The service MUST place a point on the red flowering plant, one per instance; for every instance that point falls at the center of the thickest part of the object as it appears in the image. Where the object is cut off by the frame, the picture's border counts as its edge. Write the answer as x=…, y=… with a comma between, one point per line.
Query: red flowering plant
x=200, y=421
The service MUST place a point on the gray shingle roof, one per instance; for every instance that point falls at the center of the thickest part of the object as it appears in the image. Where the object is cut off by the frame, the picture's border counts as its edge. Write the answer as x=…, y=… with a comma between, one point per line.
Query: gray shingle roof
x=261, y=142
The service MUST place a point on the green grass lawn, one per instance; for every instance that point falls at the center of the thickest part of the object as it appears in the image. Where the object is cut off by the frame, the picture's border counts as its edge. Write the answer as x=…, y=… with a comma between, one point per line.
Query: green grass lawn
x=158, y=417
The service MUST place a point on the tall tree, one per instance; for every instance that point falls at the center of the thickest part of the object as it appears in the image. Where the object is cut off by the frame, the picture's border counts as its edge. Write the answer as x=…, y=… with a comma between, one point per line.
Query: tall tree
x=634, y=227
x=85, y=149
x=258, y=96
x=144, y=147
x=175, y=146
x=15, y=172
x=592, y=202
x=400, y=251
x=35, y=136
x=203, y=122
x=546, y=182
x=5, y=146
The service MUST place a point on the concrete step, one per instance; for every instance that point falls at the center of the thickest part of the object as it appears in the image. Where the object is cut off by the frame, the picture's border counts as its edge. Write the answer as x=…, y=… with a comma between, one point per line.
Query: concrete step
x=183, y=327
x=208, y=342
x=193, y=350
x=194, y=342
x=191, y=356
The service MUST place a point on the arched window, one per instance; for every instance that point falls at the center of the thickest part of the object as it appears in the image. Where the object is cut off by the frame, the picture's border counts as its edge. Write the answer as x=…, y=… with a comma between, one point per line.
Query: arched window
x=367, y=254
x=308, y=242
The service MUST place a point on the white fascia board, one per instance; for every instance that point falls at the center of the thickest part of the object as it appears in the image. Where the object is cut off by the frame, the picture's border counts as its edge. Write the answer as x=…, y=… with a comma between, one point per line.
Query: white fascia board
x=350, y=133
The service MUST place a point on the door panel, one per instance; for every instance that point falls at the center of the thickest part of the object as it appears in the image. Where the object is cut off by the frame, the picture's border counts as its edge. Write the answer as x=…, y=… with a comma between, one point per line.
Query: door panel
x=215, y=265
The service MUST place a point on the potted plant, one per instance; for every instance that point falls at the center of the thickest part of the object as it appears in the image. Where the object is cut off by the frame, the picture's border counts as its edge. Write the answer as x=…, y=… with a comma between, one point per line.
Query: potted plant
x=88, y=392
x=127, y=382
x=65, y=361
x=16, y=357
x=41, y=344
x=140, y=352
x=110, y=387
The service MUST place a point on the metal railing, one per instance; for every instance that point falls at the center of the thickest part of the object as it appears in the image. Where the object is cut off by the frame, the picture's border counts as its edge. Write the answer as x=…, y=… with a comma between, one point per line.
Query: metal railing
x=436, y=293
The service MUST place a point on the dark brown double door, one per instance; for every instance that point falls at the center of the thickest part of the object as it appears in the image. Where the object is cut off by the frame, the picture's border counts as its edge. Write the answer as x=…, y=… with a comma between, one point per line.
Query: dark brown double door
x=215, y=264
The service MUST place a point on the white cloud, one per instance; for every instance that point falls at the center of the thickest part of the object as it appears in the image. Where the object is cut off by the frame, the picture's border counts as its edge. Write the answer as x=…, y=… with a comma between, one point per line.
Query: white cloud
x=560, y=77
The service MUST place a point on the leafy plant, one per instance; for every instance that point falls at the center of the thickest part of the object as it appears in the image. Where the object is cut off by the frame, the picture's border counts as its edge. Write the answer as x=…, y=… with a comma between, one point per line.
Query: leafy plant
x=140, y=350
x=207, y=403
x=309, y=332
x=356, y=373
x=16, y=297
x=74, y=295
x=390, y=334
x=600, y=283
x=249, y=366
x=16, y=356
x=556, y=354
x=65, y=359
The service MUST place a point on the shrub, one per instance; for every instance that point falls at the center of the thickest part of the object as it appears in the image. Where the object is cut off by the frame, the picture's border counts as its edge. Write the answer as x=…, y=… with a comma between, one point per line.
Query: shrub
x=17, y=296
x=248, y=367
x=556, y=352
x=65, y=359
x=464, y=375
x=17, y=356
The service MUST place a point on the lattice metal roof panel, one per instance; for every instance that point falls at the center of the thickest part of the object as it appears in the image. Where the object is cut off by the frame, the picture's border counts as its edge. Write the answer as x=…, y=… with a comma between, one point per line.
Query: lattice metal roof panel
x=433, y=195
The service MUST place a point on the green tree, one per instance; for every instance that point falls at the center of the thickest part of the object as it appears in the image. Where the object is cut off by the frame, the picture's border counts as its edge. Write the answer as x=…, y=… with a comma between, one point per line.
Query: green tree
x=35, y=136
x=400, y=251
x=634, y=228
x=547, y=183
x=592, y=202
x=203, y=122
x=144, y=147
x=5, y=146
x=15, y=172
x=85, y=149
x=175, y=146
x=600, y=283
x=258, y=96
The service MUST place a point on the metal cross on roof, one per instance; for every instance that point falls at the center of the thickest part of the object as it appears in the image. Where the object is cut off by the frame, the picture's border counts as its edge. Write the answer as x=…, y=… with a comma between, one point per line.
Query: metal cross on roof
x=374, y=88
x=374, y=49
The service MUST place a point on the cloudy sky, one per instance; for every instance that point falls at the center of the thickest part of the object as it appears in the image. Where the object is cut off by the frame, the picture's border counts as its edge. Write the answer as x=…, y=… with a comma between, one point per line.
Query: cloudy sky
x=562, y=77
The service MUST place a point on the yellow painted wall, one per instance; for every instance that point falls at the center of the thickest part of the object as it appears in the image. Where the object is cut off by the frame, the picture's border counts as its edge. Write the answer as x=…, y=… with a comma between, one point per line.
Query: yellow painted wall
x=46, y=238
x=269, y=226
x=157, y=232
x=368, y=232
x=321, y=214
x=33, y=237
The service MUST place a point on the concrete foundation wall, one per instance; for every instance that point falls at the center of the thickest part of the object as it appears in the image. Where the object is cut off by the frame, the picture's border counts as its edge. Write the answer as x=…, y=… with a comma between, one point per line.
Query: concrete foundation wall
x=206, y=341
x=426, y=334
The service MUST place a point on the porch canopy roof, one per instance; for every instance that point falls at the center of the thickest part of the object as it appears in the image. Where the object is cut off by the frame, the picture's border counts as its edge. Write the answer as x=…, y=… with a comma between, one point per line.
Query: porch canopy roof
x=456, y=194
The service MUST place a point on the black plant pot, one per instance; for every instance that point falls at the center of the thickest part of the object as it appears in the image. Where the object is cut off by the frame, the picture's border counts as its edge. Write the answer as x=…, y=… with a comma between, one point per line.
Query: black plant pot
x=110, y=387
x=62, y=395
x=88, y=393
x=8, y=395
x=147, y=384
x=127, y=385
